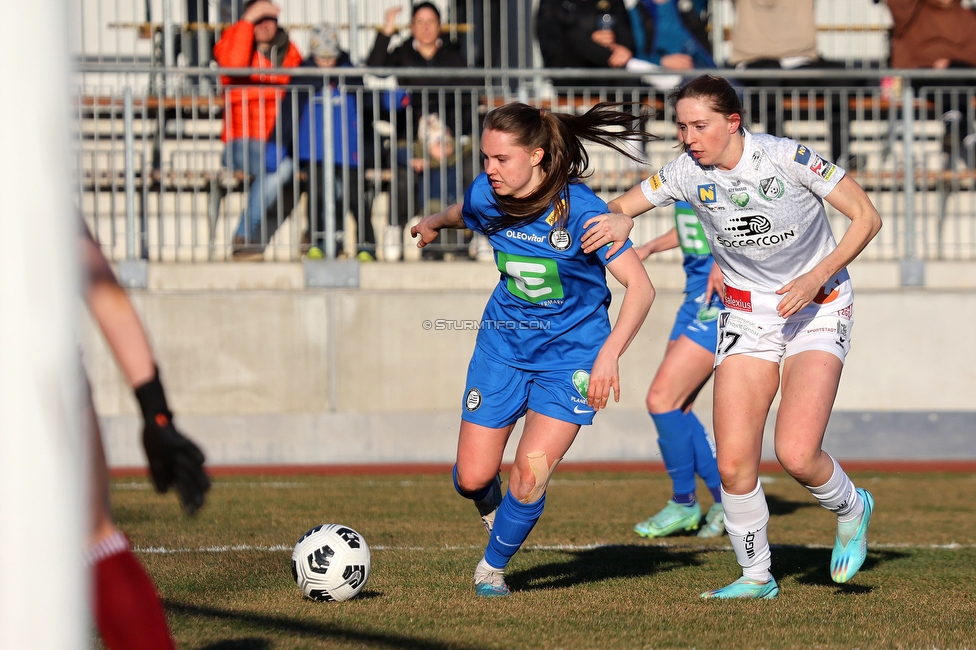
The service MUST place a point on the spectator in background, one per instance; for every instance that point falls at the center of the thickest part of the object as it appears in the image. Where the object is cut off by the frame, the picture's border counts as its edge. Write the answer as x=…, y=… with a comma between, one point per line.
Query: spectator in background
x=425, y=48
x=251, y=103
x=670, y=34
x=585, y=34
x=782, y=35
x=326, y=53
x=940, y=34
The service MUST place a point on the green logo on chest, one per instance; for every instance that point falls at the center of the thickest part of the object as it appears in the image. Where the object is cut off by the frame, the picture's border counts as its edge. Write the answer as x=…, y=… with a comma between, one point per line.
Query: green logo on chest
x=533, y=279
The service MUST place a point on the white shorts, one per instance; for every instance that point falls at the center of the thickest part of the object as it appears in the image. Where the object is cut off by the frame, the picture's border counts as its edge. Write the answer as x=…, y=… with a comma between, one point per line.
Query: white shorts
x=767, y=336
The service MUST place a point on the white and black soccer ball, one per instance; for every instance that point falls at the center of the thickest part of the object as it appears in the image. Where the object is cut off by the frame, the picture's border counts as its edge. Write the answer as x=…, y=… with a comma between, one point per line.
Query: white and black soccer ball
x=331, y=563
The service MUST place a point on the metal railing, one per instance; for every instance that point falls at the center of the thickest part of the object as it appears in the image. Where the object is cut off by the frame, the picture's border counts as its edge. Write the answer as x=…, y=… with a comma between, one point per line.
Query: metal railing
x=152, y=183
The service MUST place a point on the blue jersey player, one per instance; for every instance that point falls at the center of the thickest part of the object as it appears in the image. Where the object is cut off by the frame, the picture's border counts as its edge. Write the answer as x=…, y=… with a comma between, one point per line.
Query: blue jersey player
x=546, y=349
x=687, y=365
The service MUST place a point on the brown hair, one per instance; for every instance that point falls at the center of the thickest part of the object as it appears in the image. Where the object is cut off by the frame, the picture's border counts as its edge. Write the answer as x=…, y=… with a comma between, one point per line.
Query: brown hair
x=565, y=161
x=714, y=92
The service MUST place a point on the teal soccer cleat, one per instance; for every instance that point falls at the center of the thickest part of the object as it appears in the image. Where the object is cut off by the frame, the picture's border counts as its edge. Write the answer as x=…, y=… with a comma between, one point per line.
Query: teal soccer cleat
x=846, y=559
x=714, y=522
x=489, y=583
x=746, y=588
x=671, y=519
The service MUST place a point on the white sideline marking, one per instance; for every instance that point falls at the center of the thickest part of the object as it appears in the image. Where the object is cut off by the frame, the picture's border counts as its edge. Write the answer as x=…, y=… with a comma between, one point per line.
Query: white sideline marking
x=278, y=548
x=289, y=485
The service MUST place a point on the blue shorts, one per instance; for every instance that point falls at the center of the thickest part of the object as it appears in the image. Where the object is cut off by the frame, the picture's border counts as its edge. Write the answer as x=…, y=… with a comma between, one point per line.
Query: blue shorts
x=497, y=395
x=704, y=333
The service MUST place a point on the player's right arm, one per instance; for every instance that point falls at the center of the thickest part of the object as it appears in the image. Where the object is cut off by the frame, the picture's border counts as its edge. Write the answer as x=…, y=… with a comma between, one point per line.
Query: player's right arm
x=616, y=225
x=174, y=460
x=428, y=227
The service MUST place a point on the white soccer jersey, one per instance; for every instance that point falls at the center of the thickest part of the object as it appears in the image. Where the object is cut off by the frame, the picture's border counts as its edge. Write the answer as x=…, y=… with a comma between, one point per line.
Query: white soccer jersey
x=764, y=219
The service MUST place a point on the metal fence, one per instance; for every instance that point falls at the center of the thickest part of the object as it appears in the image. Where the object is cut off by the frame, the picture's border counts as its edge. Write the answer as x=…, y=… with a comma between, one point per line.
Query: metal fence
x=152, y=182
x=492, y=33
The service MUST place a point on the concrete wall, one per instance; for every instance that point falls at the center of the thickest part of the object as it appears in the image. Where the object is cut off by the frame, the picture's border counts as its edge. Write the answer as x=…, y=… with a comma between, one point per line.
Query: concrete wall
x=262, y=369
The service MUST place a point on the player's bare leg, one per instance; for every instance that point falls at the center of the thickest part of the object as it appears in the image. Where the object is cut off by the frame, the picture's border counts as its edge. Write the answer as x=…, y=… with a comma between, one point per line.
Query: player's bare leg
x=476, y=473
x=744, y=390
x=542, y=445
x=810, y=381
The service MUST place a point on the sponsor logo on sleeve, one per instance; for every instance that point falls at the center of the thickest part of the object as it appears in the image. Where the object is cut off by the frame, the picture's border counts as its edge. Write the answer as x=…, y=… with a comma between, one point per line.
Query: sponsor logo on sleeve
x=822, y=168
x=802, y=154
x=655, y=182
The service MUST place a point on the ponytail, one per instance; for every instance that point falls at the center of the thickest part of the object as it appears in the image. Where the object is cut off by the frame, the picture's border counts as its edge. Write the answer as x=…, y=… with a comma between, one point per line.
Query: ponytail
x=565, y=160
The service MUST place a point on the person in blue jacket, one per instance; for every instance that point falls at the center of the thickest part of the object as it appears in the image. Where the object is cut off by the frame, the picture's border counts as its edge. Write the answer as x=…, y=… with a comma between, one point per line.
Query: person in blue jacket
x=303, y=137
x=545, y=348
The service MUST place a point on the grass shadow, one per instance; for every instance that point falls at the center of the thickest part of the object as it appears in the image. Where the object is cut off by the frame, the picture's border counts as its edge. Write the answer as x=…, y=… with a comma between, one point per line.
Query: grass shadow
x=322, y=631
x=811, y=566
x=600, y=564
x=779, y=507
x=239, y=644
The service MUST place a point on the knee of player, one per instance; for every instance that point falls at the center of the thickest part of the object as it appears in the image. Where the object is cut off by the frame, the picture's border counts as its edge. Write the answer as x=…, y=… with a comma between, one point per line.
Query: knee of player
x=737, y=477
x=659, y=400
x=797, y=461
x=466, y=482
x=533, y=477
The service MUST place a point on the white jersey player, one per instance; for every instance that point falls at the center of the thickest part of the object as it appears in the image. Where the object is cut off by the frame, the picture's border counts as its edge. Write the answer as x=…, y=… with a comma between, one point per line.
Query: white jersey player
x=789, y=301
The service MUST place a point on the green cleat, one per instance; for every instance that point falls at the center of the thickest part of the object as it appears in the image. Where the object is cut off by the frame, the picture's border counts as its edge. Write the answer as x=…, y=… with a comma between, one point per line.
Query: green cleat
x=846, y=559
x=746, y=588
x=671, y=519
x=714, y=522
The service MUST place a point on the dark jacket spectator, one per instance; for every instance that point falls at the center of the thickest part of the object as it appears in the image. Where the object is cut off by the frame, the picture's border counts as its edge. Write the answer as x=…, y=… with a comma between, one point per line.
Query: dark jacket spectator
x=588, y=34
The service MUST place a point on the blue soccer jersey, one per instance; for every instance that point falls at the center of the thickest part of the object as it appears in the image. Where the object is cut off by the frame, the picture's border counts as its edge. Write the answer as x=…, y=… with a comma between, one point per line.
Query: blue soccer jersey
x=549, y=309
x=694, y=245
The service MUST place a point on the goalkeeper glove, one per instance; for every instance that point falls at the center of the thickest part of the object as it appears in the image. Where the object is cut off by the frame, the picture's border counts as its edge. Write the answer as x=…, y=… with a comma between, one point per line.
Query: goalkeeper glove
x=174, y=460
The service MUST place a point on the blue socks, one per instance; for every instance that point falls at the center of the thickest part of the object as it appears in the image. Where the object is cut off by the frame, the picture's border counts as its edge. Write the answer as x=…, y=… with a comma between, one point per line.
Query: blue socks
x=705, y=465
x=677, y=450
x=514, y=521
x=686, y=451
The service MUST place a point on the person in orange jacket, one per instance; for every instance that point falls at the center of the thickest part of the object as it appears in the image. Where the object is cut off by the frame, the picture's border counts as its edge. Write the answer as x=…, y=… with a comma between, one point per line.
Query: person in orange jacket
x=250, y=109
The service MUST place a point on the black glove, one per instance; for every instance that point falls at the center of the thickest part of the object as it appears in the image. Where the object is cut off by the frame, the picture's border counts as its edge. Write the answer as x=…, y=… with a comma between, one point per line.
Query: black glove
x=174, y=461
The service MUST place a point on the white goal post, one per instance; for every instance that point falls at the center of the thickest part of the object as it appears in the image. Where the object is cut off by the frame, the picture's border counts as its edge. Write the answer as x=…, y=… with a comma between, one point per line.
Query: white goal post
x=43, y=588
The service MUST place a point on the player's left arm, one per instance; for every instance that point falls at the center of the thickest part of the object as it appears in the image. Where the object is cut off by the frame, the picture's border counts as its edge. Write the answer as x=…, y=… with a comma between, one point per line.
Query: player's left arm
x=851, y=201
x=174, y=460
x=604, y=376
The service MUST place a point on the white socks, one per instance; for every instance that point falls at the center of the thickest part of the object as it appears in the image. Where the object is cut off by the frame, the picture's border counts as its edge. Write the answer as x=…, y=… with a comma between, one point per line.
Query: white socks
x=746, y=517
x=839, y=496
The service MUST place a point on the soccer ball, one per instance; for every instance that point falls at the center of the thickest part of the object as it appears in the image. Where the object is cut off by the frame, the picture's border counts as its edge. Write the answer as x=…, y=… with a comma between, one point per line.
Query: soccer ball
x=330, y=562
